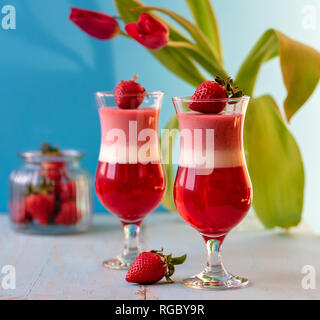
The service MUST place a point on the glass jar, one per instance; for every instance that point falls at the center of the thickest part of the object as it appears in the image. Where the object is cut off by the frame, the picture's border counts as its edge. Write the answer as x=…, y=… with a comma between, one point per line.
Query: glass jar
x=50, y=194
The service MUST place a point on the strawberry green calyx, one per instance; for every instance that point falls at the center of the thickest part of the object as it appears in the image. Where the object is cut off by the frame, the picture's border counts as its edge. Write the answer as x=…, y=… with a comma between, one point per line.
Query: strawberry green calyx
x=46, y=148
x=170, y=262
x=233, y=91
x=45, y=186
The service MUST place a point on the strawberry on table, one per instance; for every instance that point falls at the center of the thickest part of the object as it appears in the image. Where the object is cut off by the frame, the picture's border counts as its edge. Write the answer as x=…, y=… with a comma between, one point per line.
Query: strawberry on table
x=40, y=206
x=68, y=214
x=214, y=90
x=151, y=267
x=129, y=94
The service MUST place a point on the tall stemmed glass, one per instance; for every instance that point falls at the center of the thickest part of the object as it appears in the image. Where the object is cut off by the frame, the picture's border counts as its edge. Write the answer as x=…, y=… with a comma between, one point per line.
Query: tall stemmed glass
x=212, y=190
x=130, y=180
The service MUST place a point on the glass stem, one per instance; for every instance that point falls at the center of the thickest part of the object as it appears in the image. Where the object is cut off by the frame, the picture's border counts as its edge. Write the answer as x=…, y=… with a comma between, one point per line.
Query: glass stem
x=131, y=241
x=214, y=261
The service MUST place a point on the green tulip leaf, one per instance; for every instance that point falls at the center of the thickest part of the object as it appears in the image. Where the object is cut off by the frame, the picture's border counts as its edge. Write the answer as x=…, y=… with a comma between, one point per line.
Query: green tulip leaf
x=192, y=50
x=300, y=65
x=175, y=60
x=206, y=20
x=275, y=165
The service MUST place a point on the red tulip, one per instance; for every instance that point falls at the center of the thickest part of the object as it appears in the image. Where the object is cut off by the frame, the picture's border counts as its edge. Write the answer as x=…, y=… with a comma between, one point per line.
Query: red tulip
x=149, y=32
x=96, y=24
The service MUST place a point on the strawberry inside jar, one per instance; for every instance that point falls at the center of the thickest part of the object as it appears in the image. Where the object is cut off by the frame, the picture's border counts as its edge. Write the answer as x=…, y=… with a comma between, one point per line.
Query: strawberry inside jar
x=53, y=170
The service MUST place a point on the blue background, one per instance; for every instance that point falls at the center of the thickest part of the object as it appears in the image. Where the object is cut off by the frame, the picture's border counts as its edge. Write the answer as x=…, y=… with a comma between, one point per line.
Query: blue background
x=49, y=71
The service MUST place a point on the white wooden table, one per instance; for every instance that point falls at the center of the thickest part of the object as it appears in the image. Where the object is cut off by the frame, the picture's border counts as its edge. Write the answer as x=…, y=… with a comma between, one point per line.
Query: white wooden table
x=69, y=267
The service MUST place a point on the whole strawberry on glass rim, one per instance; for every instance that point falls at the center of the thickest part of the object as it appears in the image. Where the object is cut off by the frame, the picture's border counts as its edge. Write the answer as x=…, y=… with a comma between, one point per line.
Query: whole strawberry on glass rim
x=129, y=94
x=213, y=95
x=151, y=267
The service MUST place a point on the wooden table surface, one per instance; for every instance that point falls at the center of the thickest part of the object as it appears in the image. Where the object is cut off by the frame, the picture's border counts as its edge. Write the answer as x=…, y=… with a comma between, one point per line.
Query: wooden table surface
x=69, y=267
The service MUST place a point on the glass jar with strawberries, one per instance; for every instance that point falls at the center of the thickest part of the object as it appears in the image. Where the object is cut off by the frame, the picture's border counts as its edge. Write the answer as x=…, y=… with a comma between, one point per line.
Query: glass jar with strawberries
x=50, y=193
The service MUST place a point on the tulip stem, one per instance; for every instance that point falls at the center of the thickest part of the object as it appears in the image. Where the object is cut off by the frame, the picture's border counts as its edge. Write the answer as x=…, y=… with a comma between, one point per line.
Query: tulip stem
x=124, y=34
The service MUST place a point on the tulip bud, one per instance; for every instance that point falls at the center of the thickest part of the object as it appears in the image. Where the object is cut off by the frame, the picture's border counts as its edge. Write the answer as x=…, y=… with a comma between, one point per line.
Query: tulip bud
x=96, y=24
x=148, y=31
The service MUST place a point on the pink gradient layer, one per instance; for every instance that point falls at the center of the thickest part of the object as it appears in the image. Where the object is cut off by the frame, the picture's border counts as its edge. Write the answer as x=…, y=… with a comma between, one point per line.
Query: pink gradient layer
x=227, y=145
x=131, y=123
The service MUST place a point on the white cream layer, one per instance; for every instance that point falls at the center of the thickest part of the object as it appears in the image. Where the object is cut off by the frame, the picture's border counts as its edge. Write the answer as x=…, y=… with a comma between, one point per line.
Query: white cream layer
x=210, y=158
x=144, y=154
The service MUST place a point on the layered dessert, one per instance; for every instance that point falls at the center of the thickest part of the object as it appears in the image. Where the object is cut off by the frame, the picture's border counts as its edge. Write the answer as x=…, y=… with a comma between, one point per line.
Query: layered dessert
x=212, y=190
x=130, y=180
x=213, y=196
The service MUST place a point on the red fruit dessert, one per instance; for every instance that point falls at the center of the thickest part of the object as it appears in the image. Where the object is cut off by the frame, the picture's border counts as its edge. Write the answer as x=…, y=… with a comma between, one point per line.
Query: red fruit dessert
x=129, y=188
x=40, y=206
x=151, y=267
x=214, y=198
x=68, y=214
x=129, y=94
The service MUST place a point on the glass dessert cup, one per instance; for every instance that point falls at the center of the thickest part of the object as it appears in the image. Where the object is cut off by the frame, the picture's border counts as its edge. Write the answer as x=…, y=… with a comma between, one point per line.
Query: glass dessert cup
x=130, y=180
x=212, y=191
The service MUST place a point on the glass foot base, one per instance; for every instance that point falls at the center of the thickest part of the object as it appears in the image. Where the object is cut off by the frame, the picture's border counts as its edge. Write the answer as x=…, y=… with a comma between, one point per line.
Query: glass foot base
x=118, y=263
x=203, y=281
